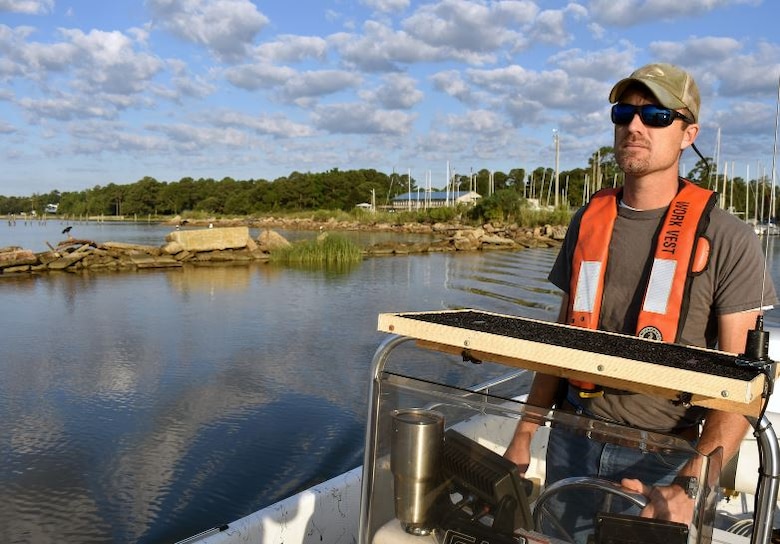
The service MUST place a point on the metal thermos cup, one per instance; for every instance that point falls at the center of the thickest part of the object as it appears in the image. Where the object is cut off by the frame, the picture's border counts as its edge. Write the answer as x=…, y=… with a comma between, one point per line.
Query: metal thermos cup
x=415, y=460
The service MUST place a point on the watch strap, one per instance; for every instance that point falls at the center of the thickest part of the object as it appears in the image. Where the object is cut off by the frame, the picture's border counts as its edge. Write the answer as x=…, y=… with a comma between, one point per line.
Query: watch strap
x=690, y=485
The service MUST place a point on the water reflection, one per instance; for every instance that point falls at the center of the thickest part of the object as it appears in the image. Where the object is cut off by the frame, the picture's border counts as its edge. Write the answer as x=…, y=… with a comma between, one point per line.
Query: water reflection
x=145, y=407
x=211, y=279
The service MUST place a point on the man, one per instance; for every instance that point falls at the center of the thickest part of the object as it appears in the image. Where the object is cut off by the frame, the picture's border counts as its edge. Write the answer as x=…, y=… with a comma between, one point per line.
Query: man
x=619, y=259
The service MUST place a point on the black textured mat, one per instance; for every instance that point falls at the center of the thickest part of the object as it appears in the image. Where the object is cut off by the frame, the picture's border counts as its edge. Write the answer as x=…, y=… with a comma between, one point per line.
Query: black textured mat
x=628, y=347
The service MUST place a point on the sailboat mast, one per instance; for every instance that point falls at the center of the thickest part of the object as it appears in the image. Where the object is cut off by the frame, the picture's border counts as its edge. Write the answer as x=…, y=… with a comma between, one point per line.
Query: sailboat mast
x=717, y=162
x=747, y=192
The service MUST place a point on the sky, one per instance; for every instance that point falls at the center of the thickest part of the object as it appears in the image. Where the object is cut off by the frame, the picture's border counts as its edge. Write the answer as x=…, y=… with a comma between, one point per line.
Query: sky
x=98, y=92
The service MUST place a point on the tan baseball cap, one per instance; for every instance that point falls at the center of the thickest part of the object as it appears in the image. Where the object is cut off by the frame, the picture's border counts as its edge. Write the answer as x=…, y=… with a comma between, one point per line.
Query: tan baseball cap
x=673, y=87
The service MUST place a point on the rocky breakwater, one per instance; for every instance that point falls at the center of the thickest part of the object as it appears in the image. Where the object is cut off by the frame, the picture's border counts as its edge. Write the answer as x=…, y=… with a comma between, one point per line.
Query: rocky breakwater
x=197, y=246
x=233, y=244
x=485, y=238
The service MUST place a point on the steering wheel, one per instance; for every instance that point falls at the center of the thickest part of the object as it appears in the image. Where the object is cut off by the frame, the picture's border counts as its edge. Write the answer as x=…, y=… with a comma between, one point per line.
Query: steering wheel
x=609, y=488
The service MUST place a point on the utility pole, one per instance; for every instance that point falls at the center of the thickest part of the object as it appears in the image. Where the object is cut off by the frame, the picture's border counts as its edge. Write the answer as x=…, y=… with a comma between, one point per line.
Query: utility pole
x=409, y=187
x=557, y=189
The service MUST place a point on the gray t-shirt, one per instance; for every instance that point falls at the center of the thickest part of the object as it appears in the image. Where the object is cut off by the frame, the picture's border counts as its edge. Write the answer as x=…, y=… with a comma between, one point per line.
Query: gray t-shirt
x=731, y=283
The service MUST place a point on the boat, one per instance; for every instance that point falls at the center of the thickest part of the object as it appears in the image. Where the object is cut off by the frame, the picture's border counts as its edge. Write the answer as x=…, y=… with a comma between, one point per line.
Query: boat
x=433, y=469
x=766, y=229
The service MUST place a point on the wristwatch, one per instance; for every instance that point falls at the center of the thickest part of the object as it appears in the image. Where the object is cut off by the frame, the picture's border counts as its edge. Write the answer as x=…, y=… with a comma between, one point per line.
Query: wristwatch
x=690, y=485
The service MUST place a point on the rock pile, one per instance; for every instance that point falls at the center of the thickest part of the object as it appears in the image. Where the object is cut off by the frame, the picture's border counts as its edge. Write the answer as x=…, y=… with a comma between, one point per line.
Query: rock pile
x=543, y=236
x=482, y=238
x=234, y=244
x=220, y=245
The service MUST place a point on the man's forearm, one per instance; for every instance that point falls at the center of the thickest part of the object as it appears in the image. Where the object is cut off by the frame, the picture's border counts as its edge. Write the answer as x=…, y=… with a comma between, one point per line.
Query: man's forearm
x=720, y=429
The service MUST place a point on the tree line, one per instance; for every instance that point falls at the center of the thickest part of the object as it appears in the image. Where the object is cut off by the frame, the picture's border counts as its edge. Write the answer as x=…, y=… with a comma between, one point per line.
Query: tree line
x=343, y=190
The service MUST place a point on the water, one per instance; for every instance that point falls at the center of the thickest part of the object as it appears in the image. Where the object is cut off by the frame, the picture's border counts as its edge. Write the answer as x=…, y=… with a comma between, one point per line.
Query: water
x=146, y=407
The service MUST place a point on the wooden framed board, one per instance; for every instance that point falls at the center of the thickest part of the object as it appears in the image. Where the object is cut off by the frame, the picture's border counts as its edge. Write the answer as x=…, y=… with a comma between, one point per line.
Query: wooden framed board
x=700, y=376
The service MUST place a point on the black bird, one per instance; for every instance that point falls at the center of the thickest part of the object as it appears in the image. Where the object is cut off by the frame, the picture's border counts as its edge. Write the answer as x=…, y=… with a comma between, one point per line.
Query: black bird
x=66, y=230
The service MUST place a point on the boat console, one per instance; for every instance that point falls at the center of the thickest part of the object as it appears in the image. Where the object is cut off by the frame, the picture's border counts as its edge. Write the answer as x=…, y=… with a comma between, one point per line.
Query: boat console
x=434, y=471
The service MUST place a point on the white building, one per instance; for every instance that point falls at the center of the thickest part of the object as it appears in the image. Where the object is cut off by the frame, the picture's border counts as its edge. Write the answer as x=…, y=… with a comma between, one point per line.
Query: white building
x=421, y=200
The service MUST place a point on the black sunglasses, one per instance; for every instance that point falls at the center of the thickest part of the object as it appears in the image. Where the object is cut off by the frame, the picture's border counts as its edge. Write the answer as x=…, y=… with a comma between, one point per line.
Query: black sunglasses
x=650, y=114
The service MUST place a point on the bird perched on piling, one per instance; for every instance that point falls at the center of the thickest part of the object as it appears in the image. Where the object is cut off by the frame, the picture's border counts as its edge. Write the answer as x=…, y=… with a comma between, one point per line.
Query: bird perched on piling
x=66, y=230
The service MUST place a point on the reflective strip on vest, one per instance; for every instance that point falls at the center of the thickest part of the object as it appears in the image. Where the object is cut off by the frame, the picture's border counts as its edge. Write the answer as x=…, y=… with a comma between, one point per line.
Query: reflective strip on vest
x=659, y=288
x=587, y=286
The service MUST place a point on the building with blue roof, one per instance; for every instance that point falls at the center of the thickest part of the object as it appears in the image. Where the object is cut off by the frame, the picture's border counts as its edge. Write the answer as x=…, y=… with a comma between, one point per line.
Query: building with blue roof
x=421, y=200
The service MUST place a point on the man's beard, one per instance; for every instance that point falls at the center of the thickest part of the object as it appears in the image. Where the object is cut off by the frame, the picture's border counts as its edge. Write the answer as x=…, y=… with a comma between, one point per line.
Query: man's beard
x=633, y=165
x=631, y=162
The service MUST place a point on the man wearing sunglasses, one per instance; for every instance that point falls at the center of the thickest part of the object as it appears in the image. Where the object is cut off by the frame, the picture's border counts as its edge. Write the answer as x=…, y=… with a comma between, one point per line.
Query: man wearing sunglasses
x=623, y=257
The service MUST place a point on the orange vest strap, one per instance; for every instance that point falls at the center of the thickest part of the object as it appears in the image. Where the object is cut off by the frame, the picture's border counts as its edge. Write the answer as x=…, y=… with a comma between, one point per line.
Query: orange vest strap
x=665, y=301
x=590, y=259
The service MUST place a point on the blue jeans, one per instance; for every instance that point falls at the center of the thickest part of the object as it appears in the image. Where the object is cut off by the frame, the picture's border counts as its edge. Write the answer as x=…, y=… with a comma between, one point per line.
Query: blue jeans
x=570, y=454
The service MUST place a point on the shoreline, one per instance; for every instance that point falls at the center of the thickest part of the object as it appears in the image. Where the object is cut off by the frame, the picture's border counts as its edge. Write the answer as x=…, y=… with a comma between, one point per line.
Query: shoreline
x=228, y=242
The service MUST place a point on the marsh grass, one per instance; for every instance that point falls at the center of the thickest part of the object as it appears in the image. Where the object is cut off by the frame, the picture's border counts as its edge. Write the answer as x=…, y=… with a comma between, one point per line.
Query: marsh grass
x=327, y=250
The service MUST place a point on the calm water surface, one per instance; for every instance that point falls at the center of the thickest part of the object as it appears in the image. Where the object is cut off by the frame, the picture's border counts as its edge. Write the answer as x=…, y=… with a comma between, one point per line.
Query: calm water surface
x=145, y=407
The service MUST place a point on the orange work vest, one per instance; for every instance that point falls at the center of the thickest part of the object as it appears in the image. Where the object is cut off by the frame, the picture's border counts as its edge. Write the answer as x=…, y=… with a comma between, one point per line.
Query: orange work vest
x=681, y=253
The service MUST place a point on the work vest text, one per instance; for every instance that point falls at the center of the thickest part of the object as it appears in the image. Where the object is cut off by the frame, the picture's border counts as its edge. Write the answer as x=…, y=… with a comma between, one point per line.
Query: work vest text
x=670, y=233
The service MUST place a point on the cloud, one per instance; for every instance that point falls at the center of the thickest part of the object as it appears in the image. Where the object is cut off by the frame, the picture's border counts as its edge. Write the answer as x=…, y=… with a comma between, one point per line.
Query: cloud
x=605, y=65
x=184, y=84
x=6, y=128
x=274, y=125
x=258, y=76
x=31, y=7
x=381, y=49
x=226, y=27
x=414, y=81
x=631, y=12
x=747, y=118
x=450, y=82
x=65, y=108
x=288, y=48
x=470, y=30
x=700, y=50
x=397, y=92
x=479, y=122
x=720, y=66
x=190, y=138
x=90, y=139
x=455, y=30
x=33, y=60
x=361, y=119
x=108, y=61
x=748, y=76
x=315, y=84
x=386, y=6
x=550, y=25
